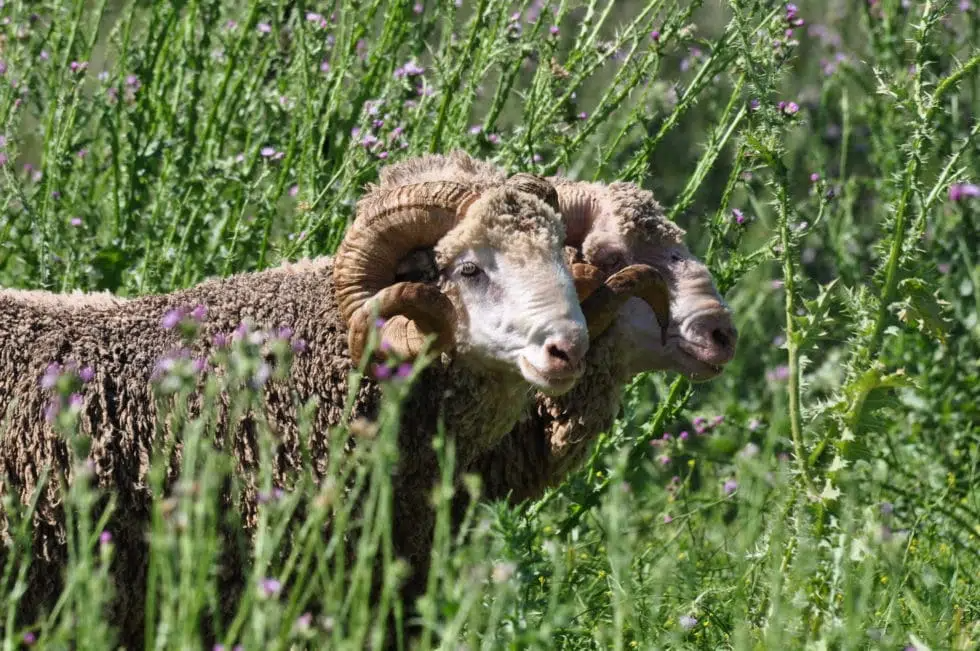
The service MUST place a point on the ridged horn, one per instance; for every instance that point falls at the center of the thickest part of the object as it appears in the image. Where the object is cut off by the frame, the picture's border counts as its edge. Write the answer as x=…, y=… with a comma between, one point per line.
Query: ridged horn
x=588, y=278
x=638, y=280
x=388, y=226
x=579, y=206
x=536, y=185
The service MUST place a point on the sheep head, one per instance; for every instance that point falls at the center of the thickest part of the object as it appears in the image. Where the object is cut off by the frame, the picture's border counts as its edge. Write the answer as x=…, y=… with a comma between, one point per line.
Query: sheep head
x=502, y=296
x=628, y=251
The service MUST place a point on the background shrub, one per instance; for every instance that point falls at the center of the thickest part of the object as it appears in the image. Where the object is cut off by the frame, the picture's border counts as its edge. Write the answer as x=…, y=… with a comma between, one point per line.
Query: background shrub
x=821, y=494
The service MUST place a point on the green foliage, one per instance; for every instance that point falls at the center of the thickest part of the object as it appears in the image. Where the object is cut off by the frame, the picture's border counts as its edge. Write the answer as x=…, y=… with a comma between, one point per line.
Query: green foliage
x=824, y=495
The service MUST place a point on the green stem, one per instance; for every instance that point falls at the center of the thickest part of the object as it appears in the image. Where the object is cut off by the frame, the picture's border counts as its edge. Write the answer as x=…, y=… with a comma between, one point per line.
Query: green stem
x=792, y=340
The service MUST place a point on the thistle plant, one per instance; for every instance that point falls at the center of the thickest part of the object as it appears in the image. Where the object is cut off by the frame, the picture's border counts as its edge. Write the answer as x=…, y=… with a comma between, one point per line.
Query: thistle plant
x=825, y=160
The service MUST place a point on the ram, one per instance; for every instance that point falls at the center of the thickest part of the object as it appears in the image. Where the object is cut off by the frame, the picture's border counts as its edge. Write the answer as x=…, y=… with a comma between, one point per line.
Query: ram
x=624, y=254
x=502, y=310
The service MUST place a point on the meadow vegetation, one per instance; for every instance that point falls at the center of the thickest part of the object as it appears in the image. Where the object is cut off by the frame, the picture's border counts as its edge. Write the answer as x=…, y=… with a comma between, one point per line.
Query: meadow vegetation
x=825, y=159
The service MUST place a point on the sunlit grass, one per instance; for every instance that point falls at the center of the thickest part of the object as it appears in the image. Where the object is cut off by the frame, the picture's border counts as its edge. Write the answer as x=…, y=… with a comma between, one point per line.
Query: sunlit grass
x=825, y=160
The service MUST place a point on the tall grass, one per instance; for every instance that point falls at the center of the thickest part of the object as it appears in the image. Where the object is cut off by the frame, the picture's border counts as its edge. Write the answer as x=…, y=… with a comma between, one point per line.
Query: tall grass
x=821, y=494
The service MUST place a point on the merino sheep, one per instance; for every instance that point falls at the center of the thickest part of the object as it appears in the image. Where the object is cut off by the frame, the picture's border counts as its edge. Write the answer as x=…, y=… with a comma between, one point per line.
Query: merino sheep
x=612, y=229
x=503, y=309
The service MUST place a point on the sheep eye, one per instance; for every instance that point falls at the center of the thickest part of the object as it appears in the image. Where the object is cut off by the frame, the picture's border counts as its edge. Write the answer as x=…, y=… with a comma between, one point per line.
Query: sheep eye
x=675, y=257
x=469, y=269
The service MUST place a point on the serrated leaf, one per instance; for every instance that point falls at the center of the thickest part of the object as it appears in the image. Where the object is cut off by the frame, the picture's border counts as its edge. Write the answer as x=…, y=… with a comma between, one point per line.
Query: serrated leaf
x=922, y=308
x=871, y=391
x=829, y=492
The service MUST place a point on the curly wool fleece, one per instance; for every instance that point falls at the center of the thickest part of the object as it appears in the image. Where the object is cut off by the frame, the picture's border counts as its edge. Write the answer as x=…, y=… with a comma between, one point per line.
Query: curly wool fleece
x=122, y=341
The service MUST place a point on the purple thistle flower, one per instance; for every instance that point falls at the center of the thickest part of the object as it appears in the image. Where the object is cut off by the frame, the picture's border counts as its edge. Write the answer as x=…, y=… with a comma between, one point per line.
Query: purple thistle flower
x=78, y=66
x=655, y=35
x=3, y=67
x=664, y=459
x=730, y=486
x=382, y=371
x=171, y=319
x=29, y=638
x=3, y=159
x=583, y=115
x=293, y=191
x=475, y=129
x=75, y=221
x=739, y=216
x=717, y=420
x=413, y=69
x=684, y=436
x=75, y=401
x=267, y=152
x=324, y=66
x=687, y=622
x=304, y=621
x=105, y=537
x=285, y=333
x=299, y=346
x=51, y=375
x=493, y=138
x=313, y=17
x=199, y=313
x=778, y=374
x=753, y=104
x=86, y=374
x=51, y=411
x=133, y=82
x=264, y=28
x=554, y=30
x=960, y=191
x=220, y=340
x=944, y=267
x=667, y=518
x=262, y=375
x=270, y=587
x=789, y=108
x=404, y=371
x=379, y=323
x=666, y=436
x=814, y=177
x=418, y=8
x=754, y=424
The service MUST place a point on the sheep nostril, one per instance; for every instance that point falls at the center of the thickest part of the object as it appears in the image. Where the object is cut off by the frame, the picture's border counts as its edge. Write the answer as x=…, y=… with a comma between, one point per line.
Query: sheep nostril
x=564, y=353
x=721, y=338
x=554, y=350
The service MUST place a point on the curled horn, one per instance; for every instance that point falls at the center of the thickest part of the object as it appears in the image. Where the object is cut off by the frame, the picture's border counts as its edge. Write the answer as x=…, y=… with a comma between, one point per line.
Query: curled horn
x=536, y=185
x=388, y=226
x=602, y=303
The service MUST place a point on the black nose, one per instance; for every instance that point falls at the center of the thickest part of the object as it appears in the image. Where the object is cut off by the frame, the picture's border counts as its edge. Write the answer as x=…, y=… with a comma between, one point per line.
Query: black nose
x=558, y=351
x=722, y=338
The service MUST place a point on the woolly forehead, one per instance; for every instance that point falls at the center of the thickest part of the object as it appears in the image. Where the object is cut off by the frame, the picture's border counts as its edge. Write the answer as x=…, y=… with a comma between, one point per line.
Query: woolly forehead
x=637, y=217
x=505, y=220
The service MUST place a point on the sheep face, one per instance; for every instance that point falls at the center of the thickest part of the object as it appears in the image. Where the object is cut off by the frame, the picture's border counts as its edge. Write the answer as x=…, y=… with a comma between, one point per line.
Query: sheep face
x=622, y=225
x=502, y=267
x=499, y=296
x=700, y=336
